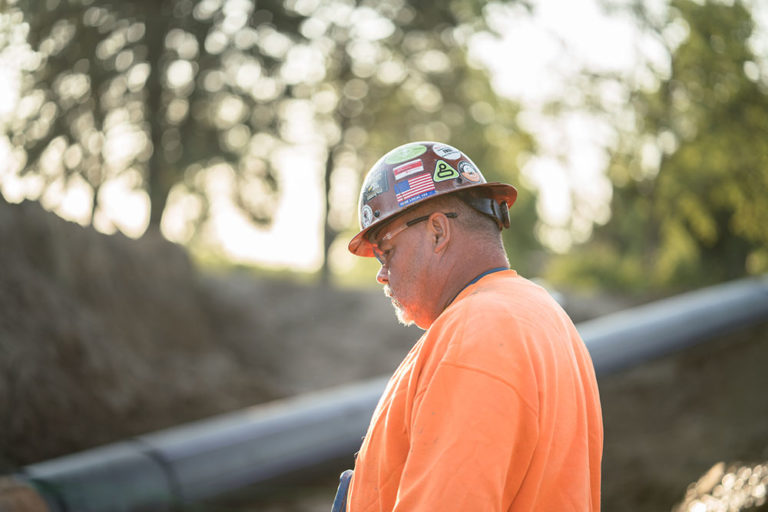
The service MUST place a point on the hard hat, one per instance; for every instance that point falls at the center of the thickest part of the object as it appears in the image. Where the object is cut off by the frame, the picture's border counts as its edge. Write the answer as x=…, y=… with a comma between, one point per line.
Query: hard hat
x=420, y=171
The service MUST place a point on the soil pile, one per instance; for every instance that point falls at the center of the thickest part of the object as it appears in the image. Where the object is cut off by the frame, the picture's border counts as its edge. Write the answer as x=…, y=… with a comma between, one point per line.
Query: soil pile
x=105, y=337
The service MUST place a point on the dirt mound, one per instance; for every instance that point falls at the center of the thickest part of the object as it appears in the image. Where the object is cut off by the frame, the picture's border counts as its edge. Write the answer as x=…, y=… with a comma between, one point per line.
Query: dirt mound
x=101, y=337
x=104, y=337
x=668, y=422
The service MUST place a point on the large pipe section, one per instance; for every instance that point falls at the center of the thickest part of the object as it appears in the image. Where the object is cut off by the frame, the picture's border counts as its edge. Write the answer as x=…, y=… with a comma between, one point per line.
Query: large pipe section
x=167, y=469
x=633, y=336
x=164, y=470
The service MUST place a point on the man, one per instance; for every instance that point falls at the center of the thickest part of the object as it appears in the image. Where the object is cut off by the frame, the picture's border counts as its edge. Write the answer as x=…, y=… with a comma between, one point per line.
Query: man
x=496, y=407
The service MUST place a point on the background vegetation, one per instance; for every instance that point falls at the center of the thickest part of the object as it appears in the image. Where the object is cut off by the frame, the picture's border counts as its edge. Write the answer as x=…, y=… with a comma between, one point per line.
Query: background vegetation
x=162, y=95
x=690, y=165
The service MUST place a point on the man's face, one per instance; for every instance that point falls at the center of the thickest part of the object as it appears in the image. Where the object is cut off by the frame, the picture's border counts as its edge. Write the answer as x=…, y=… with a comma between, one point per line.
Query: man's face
x=403, y=257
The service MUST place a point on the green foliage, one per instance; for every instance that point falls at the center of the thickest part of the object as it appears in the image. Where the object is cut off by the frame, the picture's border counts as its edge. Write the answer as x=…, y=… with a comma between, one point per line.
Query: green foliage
x=700, y=216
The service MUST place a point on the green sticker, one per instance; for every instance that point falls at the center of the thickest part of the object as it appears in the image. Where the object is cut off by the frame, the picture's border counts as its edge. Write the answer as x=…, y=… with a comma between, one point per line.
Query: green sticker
x=444, y=171
x=403, y=153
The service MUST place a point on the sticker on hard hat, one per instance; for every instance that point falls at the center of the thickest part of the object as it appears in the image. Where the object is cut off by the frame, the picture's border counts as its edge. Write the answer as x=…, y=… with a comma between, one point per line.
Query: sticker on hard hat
x=404, y=153
x=443, y=171
x=469, y=172
x=366, y=216
x=414, y=189
x=375, y=185
x=446, y=151
x=408, y=168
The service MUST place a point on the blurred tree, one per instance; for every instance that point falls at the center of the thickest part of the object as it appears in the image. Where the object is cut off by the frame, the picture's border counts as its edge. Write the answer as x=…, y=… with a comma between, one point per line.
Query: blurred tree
x=691, y=178
x=155, y=93
x=398, y=71
x=158, y=94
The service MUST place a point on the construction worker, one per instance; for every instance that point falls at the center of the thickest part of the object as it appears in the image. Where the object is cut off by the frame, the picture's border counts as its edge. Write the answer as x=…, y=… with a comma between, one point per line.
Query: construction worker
x=496, y=407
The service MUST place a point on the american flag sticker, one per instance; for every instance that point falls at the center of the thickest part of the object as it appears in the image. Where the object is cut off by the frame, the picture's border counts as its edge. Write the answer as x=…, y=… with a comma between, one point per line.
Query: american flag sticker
x=414, y=189
x=408, y=168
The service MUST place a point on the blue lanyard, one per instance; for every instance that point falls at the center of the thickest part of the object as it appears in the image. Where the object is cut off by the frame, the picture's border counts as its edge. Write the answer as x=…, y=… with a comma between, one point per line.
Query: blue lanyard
x=476, y=279
x=497, y=269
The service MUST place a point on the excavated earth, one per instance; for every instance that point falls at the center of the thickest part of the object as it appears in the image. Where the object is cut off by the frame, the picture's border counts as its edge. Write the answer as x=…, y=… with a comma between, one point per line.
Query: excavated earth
x=105, y=337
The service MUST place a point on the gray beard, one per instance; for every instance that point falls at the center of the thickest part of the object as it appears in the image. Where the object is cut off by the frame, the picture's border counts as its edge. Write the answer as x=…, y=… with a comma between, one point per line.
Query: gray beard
x=399, y=310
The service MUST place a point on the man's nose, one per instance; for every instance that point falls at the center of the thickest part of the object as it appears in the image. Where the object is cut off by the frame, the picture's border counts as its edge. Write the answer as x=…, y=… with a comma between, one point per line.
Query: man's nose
x=383, y=276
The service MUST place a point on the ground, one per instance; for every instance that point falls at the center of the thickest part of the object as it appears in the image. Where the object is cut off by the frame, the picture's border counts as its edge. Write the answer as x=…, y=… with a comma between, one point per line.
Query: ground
x=104, y=337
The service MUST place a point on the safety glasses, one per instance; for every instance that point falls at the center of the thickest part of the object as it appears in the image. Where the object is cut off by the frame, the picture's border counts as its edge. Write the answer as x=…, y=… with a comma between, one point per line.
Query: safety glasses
x=383, y=256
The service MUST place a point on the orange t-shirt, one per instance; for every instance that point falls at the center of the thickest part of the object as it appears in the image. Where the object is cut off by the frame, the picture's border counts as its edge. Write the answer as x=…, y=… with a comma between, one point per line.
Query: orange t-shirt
x=495, y=408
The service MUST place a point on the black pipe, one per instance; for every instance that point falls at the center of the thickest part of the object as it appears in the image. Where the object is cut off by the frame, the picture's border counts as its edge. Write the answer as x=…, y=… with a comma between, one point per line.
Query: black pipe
x=637, y=335
x=168, y=469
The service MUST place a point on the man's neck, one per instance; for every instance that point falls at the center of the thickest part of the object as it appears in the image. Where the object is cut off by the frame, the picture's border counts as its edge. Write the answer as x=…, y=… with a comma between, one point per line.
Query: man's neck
x=459, y=275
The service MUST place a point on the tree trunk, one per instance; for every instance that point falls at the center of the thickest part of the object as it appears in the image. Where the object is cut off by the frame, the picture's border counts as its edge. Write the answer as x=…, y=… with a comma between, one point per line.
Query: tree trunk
x=157, y=182
x=329, y=234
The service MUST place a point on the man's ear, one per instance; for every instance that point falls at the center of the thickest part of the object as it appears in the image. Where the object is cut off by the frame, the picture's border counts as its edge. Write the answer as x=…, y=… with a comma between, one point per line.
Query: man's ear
x=440, y=231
